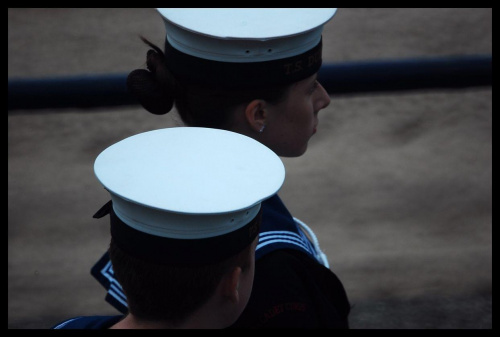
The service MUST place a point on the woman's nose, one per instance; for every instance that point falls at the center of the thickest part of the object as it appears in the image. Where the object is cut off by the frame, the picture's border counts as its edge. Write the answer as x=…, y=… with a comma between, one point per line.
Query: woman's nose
x=324, y=98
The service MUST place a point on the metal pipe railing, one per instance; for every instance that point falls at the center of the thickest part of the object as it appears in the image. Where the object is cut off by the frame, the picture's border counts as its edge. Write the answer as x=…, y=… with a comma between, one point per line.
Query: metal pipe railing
x=407, y=74
x=350, y=78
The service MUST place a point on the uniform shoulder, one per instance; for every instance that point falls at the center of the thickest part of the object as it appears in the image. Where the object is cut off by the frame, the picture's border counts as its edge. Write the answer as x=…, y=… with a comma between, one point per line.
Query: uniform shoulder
x=88, y=322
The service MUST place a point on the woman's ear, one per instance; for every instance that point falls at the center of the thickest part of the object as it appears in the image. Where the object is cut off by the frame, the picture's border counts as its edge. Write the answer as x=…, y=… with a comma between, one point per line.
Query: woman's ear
x=256, y=114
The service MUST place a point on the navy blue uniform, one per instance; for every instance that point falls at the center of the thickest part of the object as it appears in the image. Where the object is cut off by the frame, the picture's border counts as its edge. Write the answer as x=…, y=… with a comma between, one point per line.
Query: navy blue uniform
x=292, y=286
x=89, y=322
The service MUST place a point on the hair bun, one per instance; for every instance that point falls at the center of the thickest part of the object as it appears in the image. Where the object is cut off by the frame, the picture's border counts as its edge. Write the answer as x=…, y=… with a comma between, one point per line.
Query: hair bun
x=149, y=92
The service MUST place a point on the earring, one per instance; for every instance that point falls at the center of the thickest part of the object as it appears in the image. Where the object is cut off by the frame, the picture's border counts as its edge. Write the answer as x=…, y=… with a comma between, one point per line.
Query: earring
x=262, y=128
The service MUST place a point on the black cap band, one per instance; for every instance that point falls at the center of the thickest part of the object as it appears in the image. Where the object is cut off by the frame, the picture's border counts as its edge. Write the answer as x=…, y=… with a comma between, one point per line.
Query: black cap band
x=162, y=250
x=194, y=70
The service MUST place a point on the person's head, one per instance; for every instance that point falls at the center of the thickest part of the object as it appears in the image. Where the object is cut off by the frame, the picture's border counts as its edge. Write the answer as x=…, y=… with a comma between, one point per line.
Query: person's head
x=173, y=292
x=185, y=212
x=260, y=81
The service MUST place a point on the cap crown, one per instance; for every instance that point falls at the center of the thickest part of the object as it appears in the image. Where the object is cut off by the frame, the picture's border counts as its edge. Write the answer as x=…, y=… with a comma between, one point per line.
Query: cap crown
x=244, y=34
x=188, y=182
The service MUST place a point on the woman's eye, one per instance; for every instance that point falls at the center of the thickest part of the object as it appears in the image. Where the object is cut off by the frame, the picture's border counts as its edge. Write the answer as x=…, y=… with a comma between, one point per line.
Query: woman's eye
x=314, y=86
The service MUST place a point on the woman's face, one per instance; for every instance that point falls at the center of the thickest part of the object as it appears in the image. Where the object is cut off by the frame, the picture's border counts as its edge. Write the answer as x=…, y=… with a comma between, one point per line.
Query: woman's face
x=291, y=123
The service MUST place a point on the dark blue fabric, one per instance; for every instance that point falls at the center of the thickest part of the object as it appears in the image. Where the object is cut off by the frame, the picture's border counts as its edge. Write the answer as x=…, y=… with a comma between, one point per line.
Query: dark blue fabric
x=278, y=230
x=242, y=75
x=89, y=322
x=103, y=272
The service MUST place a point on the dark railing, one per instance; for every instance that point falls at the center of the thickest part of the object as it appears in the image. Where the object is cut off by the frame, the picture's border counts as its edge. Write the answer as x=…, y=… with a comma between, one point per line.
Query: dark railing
x=351, y=78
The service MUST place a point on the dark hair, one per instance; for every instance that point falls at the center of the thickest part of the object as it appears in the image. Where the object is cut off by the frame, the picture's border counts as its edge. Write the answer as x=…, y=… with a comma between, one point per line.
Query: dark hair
x=157, y=90
x=170, y=292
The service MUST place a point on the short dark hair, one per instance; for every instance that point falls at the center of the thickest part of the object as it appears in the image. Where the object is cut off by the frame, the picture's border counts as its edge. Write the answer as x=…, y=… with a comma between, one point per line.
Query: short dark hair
x=170, y=292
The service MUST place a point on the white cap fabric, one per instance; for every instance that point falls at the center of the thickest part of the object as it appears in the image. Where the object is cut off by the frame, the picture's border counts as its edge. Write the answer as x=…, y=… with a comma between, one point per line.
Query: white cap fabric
x=244, y=34
x=188, y=182
x=243, y=48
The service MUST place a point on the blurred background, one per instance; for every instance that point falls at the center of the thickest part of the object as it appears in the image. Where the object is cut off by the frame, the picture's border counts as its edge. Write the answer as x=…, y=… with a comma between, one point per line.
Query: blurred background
x=396, y=185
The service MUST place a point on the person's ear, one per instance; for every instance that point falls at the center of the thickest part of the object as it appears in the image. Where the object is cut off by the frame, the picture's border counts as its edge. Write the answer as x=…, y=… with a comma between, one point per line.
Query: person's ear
x=256, y=114
x=230, y=284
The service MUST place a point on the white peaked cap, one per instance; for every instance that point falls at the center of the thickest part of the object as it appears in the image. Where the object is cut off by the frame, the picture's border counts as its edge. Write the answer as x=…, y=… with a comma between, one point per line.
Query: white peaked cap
x=244, y=34
x=243, y=48
x=188, y=182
